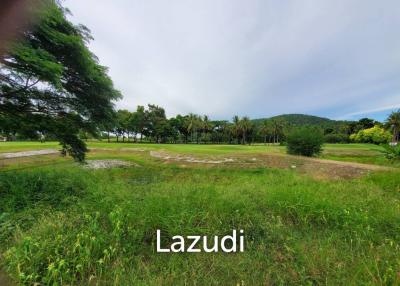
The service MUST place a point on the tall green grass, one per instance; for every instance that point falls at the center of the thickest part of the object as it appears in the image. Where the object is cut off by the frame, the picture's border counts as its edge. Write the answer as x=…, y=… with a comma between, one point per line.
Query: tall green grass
x=98, y=227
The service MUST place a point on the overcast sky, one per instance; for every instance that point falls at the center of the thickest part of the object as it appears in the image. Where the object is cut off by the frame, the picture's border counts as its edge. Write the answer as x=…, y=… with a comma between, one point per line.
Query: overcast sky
x=332, y=58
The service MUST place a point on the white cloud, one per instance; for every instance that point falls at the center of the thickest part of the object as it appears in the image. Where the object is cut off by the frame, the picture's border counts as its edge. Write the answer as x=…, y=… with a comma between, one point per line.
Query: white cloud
x=259, y=58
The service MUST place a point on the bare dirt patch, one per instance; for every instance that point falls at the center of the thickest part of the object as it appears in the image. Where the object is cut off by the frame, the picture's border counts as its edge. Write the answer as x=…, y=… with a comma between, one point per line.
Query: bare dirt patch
x=188, y=158
x=316, y=168
x=105, y=164
x=28, y=153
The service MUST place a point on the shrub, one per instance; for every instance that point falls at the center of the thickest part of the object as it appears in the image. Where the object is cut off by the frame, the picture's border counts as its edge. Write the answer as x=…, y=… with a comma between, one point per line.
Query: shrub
x=375, y=135
x=336, y=138
x=305, y=141
x=392, y=152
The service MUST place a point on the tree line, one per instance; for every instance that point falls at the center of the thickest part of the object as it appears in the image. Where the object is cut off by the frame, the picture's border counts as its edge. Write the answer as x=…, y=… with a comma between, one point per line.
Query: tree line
x=150, y=124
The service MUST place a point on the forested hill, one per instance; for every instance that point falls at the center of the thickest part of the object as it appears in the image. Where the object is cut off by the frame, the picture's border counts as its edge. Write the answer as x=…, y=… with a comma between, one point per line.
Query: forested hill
x=301, y=119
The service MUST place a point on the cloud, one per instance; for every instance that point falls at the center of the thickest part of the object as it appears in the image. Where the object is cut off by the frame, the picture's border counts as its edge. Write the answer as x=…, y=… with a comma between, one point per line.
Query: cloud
x=369, y=111
x=332, y=58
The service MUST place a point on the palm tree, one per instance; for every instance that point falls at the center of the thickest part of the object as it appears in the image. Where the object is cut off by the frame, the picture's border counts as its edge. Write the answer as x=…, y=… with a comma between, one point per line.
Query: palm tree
x=393, y=122
x=206, y=125
x=236, y=127
x=193, y=125
x=264, y=130
x=229, y=132
x=246, y=126
x=277, y=128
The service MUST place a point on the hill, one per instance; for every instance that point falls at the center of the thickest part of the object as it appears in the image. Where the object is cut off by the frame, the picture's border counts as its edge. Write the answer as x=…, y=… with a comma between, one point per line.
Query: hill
x=302, y=119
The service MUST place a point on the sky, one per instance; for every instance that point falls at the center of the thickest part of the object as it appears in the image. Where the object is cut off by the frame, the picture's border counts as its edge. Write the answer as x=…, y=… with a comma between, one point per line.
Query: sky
x=335, y=58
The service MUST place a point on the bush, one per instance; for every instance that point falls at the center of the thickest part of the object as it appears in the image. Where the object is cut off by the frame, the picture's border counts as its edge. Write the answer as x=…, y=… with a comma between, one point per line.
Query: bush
x=336, y=138
x=375, y=135
x=392, y=152
x=305, y=141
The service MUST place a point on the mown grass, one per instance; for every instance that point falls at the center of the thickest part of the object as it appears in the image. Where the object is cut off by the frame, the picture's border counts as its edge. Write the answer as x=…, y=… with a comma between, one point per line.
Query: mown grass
x=67, y=225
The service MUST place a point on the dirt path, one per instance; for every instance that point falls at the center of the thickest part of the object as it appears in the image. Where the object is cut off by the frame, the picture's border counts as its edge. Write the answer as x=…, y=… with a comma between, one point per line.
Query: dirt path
x=28, y=153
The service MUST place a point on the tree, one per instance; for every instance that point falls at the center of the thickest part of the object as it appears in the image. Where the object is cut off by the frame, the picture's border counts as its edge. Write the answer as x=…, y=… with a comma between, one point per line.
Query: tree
x=245, y=127
x=156, y=122
x=366, y=123
x=110, y=125
x=50, y=81
x=277, y=128
x=393, y=122
x=193, y=125
x=264, y=130
x=220, y=132
x=180, y=124
x=206, y=126
x=138, y=121
x=123, y=121
x=236, y=128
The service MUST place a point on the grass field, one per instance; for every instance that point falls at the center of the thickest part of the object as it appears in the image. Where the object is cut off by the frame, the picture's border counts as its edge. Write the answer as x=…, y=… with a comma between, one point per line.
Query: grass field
x=325, y=221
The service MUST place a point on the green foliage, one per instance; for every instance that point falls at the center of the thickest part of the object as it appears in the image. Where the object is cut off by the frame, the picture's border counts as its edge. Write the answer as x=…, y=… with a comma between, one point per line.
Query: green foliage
x=73, y=146
x=366, y=123
x=152, y=125
x=298, y=119
x=375, y=135
x=48, y=76
x=306, y=141
x=392, y=152
x=336, y=138
x=393, y=123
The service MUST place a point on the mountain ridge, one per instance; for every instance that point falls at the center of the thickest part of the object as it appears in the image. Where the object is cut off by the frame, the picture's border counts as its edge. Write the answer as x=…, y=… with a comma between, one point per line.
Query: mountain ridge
x=301, y=119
